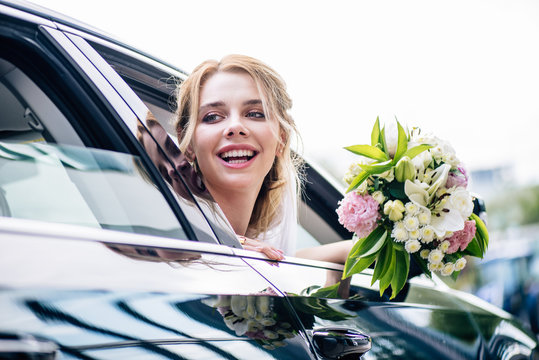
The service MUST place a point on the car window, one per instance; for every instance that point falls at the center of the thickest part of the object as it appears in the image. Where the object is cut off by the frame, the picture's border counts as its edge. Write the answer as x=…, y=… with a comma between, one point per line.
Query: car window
x=47, y=173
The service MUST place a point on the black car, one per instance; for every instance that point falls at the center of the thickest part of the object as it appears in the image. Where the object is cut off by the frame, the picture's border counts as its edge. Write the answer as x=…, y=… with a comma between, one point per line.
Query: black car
x=110, y=247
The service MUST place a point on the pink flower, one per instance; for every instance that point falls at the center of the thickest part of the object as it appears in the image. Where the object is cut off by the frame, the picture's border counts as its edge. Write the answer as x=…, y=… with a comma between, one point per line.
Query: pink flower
x=358, y=213
x=461, y=239
x=457, y=178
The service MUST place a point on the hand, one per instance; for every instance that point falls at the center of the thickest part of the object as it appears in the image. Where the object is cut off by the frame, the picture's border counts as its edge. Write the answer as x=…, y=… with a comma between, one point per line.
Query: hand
x=259, y=246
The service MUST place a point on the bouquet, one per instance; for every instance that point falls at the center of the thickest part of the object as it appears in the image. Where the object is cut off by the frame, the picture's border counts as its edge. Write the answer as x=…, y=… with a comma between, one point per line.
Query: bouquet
x=254, y=317
x=408, y=198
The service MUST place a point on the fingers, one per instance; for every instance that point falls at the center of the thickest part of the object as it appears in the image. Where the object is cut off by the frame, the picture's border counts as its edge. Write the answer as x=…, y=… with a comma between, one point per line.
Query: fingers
x=256, y=245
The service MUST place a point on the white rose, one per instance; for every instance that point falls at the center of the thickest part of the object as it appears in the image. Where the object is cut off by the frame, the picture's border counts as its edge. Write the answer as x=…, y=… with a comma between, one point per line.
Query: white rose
x=461, y=201
x=379, y=197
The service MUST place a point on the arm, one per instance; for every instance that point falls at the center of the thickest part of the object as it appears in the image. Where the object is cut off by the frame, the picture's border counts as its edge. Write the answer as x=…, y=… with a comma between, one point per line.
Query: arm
x=336, y=252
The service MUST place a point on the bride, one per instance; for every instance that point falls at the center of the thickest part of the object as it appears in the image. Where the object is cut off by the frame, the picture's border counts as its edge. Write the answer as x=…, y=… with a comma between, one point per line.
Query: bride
x=233, y=125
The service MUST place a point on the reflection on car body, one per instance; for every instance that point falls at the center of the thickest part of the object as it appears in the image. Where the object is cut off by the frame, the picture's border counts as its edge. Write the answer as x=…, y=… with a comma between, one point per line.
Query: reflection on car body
x=110, y=246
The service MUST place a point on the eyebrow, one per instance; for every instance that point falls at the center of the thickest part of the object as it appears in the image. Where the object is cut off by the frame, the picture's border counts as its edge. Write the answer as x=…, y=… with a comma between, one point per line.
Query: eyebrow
x=221, y=104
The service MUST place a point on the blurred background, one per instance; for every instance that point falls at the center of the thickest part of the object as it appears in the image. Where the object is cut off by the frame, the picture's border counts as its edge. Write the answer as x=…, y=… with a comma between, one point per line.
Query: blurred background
x=466, y=70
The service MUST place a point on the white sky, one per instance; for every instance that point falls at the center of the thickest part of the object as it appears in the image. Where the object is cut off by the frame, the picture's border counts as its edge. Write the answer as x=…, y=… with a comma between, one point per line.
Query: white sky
x=467, y=70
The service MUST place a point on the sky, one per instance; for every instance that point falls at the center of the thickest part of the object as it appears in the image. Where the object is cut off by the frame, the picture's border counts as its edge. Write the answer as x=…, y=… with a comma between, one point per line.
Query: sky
x=466, y=70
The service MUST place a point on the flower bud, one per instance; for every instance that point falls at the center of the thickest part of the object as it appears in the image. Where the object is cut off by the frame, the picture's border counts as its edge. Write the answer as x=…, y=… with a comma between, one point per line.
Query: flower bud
x=405, y=170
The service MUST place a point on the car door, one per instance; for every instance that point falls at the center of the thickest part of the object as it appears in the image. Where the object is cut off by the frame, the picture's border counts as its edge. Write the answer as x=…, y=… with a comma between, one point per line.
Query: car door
x=426, y=318
x=98, y=258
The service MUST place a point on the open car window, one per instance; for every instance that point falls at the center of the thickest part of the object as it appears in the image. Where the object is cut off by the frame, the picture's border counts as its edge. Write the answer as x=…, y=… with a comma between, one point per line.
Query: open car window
x=47, y=173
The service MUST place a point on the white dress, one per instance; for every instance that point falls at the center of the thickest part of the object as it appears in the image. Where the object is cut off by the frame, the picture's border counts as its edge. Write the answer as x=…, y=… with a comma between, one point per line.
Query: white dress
x=283, y=234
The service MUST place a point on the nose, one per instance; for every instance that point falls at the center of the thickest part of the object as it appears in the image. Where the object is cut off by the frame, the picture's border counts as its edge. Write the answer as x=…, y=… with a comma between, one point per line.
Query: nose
x=235, y=127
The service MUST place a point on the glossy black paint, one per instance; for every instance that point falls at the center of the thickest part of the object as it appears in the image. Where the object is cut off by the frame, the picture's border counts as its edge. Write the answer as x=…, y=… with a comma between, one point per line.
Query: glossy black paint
x=88, y=293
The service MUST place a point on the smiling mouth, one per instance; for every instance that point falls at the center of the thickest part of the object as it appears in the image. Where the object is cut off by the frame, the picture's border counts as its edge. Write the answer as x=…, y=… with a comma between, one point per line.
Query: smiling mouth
x=237, y=156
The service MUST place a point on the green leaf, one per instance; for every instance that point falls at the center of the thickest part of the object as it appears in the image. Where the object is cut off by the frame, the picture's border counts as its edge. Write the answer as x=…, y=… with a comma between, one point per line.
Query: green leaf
x=402, y=143
x=416, y=150
x=383, y=261
x=327, y=292
x=355, y=265
x=375, y=134
x=377, y=168
x=358, y=180
x=455, y=275
x=481, y=228
x=474, y=248
x=402, y=266
x=371, y=152
x=396, y=189
x=373, y=243
x=386, y=279
x=383, y=141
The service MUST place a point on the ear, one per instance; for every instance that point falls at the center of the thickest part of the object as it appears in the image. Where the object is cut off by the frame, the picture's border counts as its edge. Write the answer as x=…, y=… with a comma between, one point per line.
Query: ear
x=189, y=153
x=281, y=144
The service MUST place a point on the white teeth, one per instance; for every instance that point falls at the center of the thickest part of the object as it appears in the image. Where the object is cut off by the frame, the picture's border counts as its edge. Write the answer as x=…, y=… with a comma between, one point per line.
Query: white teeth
x=237, y=153
x=237, y=161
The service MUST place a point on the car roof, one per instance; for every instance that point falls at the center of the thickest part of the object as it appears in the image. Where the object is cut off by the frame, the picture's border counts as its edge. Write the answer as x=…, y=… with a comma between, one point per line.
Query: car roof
x=65, y=20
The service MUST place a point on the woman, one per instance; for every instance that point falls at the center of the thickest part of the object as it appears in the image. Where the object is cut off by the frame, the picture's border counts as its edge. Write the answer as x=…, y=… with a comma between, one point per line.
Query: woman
x=233, y=124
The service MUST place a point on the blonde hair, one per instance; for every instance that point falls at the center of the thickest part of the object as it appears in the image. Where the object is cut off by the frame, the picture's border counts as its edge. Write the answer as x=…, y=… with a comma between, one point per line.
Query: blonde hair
x=276, y=103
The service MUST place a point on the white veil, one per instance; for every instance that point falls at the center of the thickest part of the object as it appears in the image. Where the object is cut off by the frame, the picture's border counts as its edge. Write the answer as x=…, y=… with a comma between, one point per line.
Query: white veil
x=283, y=233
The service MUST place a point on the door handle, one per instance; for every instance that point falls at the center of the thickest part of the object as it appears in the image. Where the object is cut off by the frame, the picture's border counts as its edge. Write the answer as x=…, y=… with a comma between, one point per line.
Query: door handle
x=335, y=343
x=23, y=346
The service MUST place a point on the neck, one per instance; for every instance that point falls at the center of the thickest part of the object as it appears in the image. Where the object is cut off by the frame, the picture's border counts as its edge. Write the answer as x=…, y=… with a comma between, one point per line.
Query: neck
x=237, y=207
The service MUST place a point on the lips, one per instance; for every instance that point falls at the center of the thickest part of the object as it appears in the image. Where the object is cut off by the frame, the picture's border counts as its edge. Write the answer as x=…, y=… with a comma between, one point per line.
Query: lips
x=237, y=156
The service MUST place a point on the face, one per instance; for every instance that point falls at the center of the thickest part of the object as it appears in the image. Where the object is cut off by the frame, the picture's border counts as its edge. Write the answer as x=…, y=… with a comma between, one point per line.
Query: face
x=234, y=142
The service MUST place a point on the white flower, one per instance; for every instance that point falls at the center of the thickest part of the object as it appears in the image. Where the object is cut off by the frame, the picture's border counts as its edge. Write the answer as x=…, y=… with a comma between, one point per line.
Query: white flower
x=424, y=253
x=422, y=193
x=394, y=209
x=427, y=234
x=432, y=267
x=399, y=233
x=392, y=135
x=362, y=188
x=379, y=197
x=435, y=256
x=452, y=212
x=424, y=217
x=411, y=208
x=270, y=334
x=451, y=159
x=411, y=223
x=388, y=175
x=412, y=246
x=444, y=246
x=461, y=201
x=448, y=269
x=460, y=264
x=263, y=305
x=414, y=234
x=268, y=321
x=352, y=172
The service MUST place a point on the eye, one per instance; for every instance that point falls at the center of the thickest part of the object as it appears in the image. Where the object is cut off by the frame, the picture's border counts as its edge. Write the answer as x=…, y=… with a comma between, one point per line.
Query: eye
x=211, y=118
x=256, y=115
